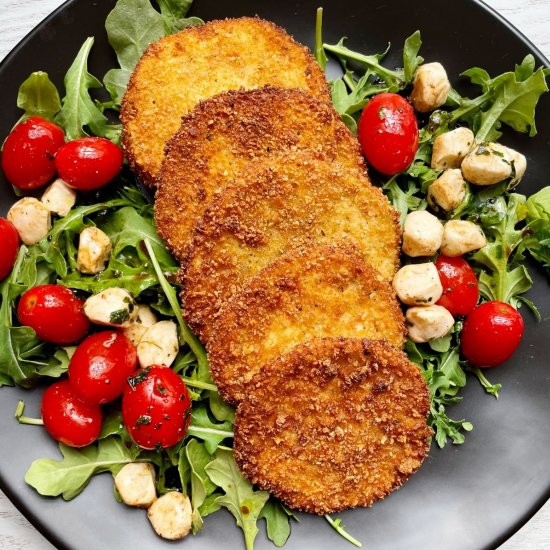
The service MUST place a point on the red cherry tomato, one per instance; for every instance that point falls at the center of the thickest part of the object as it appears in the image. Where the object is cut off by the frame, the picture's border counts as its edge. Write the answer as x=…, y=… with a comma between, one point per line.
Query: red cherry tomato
x=28, y=153
x=88, y=163
x=156, y=408
x=491, y=333
x=55, y=314
x=67, y=419
x=9, y=247
x=460, y=286
x=388, y=133
x=101, y=365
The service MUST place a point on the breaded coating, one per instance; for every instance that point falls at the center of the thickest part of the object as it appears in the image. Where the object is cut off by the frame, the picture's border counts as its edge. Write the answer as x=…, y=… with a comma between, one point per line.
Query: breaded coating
x=311, y=292
x=274, y=205
x=232, y=131
x=333, y=424
x=179, y=70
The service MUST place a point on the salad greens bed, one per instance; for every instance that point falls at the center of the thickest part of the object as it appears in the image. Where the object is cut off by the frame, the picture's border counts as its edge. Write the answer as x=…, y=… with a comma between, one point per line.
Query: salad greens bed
x=202, y=464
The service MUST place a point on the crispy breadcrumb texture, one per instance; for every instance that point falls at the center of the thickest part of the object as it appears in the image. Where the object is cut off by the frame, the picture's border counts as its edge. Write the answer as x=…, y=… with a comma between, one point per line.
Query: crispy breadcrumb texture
x=179, y=70
x=275, y=205
x=234, y=131
x=333, y=424
x=313, y=291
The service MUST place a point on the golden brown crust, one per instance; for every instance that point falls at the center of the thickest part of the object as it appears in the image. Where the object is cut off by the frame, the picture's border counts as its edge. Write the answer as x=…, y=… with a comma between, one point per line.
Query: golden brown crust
x=311, y=292
x=232, y=131
x=271, y=206
x=333, y=424
x=179, y=70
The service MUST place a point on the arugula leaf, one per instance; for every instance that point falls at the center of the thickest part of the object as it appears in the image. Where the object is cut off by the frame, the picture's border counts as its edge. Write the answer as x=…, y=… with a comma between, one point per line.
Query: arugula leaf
x=134, y=24
x=201, y=485
x=239, y=498
x=174, y=12
x=395, y=79
x=131, y=26
x=220, y=409
x=38, y=96
x=193, y=342
x=319, y=51
x=277, y=522
x=493, y=389
x=538, y=205
x=63, y=230
x=210, y=432
x=536, y=236
x=69, y=476
x=17, y=344
x=210, y=505
x=404, y=200
x=444, y=376
x=504, y=276
x=337, y=525
x=411, y=59
x=174, y=9
x=113, y=425
x=128, y=265
x=58, y=364
x=351, y=94
x=79, y=114
x=510, y=98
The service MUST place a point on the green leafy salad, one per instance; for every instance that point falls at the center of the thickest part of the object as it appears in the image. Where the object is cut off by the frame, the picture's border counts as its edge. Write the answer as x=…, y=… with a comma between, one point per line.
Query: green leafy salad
x=202, y=465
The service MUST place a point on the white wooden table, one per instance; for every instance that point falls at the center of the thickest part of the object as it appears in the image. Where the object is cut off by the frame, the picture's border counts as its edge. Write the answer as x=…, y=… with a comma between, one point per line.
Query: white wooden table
x=18, y=17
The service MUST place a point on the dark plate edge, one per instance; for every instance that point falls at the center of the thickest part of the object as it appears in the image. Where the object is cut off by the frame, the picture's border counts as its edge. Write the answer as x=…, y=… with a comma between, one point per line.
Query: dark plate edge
x=542, y=58
x=15, y=50
x=39, y=525
x=16, y=499
x=523, y=520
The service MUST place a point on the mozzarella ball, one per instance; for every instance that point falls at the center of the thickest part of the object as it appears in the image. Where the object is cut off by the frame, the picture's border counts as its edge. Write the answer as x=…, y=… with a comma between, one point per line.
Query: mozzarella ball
x=422, y=234
x=135, y=484
x=94, y=248
x=171, y=515
x=59, y=198
x=451, y=147
x=159, y=345
x=145, y=318
x=519, y=165
x=430, y=87
x=428, y=323
x=418, y=284
x=461, y=237
x=490, y=163
x=31, y=219
x=448, y=190
x=112, y=307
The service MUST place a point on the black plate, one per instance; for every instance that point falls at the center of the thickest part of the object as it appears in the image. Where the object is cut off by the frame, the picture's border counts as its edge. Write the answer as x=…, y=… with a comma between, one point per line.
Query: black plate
x=467, y=497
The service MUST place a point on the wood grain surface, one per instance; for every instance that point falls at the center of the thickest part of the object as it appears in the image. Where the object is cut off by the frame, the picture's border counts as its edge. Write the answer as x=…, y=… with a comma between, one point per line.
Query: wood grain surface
x=18, y=17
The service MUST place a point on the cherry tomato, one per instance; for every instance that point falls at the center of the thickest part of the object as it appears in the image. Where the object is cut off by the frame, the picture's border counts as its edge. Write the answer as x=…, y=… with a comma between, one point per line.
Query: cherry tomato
x=9, y=247
x=491, y=333
x=28, y=153
x=101, y=365
x=460, y=286
x=156, y=408
x=67, y=419
x=55, y=314
x=388, y=133
x=88, y=163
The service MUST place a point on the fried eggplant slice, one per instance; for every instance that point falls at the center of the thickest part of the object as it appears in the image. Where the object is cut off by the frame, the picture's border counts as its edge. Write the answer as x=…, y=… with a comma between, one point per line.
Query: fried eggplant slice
x=179, y=70
x=333, y=424
x=271, y=207
x=312, y=292
x=232, y=131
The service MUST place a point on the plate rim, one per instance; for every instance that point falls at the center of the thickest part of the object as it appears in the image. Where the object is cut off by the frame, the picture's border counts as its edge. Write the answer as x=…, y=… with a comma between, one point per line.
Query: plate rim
x=18, y=500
